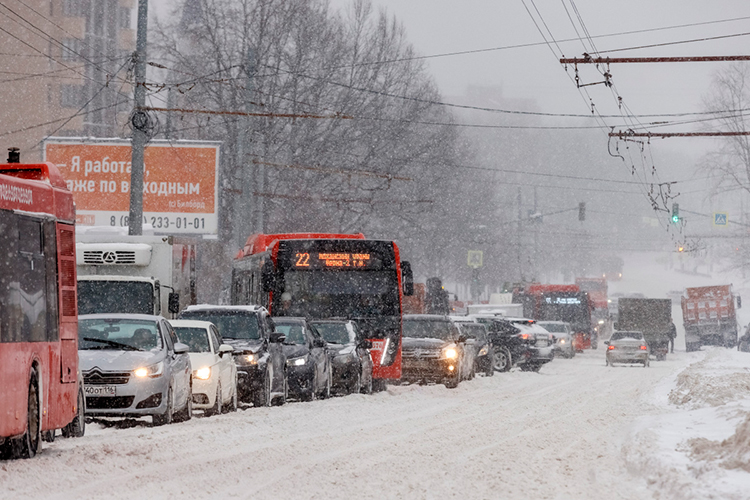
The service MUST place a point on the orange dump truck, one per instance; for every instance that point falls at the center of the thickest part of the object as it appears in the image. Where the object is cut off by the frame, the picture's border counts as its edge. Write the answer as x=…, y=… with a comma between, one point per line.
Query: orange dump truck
x=708, y=314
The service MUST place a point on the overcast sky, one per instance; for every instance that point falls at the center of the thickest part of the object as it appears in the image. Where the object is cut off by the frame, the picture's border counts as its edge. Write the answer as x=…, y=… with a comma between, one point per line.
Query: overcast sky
x=533, y=72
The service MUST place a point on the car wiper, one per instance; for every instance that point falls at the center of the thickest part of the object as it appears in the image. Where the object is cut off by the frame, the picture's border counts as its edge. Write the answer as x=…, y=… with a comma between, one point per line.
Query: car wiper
x=112, y=343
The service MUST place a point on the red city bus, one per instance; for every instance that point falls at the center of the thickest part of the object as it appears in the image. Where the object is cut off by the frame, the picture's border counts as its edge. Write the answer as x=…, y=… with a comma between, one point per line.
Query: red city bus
x=545, y=302
x=330, y=276
x=40, y=390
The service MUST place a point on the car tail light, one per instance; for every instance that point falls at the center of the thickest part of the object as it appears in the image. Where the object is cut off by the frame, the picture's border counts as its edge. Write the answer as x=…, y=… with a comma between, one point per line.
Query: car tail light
x=611, y=348
x=643, y=347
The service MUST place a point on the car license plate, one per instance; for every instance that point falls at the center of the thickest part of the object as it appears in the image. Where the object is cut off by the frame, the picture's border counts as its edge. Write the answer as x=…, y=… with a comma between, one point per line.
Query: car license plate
x=100, y=390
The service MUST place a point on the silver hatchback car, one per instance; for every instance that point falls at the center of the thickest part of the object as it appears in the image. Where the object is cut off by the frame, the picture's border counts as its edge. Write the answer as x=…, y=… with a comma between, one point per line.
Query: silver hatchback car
x=134, y=366
x=627, y=347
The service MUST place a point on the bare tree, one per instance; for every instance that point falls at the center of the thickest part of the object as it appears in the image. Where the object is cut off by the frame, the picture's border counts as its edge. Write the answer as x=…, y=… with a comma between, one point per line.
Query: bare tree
x=729, y=97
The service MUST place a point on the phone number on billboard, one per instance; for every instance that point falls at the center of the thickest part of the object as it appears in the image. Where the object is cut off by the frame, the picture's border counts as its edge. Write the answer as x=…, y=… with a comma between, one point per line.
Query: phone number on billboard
x=163, y=222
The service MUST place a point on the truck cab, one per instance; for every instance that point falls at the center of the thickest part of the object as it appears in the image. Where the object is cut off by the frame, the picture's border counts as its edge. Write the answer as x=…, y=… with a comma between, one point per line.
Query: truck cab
x=118, y=273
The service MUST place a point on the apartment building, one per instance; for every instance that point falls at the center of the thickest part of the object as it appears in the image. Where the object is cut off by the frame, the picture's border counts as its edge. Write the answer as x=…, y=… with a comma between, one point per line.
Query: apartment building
x=63, y=70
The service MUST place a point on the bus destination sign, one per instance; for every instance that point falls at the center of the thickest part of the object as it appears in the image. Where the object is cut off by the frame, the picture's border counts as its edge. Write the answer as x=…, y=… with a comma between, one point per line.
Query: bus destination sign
x=319, y=260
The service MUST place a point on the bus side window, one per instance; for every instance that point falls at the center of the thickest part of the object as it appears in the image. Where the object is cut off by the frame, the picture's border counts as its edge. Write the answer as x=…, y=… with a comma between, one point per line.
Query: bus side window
x=8, y=279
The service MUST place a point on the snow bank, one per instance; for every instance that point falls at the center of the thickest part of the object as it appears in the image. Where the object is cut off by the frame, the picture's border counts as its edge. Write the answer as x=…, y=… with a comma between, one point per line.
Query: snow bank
x=700, y=449
x=698, y=386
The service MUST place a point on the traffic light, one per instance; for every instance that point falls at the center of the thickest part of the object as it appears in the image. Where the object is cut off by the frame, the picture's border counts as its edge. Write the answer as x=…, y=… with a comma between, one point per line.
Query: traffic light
x=675, y=213
x=582, y=211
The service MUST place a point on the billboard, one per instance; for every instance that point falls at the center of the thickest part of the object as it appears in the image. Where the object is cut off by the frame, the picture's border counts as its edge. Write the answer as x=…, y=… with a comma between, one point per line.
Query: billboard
x=180, y=185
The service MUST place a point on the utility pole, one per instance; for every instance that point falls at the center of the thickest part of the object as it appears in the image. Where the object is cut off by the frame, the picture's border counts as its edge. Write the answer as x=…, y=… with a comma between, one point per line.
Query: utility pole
x=243, y=214
x=518, y=238
x=141, y=124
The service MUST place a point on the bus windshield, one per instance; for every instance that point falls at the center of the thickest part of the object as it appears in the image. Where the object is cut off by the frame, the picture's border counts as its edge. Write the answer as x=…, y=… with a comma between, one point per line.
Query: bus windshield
x=338, y=293
x=130, y=297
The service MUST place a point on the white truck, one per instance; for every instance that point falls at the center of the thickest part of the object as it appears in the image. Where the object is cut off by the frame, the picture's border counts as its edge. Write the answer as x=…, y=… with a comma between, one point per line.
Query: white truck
x=134, y=274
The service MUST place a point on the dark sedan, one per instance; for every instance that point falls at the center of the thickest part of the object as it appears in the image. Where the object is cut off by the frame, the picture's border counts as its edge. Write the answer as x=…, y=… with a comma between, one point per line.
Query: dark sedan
x=432, y=350
x=307, y=364
x=351, y=363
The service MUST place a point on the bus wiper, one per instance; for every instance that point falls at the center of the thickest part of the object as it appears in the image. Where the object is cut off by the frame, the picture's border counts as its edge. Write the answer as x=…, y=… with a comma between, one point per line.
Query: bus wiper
x=112, y=343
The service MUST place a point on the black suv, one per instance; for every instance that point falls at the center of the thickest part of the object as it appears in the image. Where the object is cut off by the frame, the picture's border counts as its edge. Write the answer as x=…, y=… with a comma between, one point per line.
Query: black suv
x=517, y=342
x=258, y=352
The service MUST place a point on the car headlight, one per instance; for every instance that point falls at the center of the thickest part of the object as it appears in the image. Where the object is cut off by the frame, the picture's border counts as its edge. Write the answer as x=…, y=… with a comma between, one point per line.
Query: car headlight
x=483, y=351
x=562, y=341
x=203, y=373
x=296, y=361
x=450, y=353
x=150, y=371
x=247, y=359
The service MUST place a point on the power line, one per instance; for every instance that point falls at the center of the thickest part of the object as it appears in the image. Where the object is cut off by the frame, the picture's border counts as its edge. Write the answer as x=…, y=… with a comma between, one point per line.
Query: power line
x=536, y=44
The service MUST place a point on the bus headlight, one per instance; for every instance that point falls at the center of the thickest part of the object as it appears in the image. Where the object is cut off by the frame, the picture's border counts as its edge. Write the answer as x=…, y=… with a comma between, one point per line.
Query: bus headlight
x=150, y=371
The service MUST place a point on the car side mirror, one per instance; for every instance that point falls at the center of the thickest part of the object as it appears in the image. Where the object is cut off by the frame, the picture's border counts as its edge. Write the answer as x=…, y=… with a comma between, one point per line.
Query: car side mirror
x=365, y=344
x=319, y=343
x=462, y=338
x=225, y=348
x=276, y=338
x=606, y=342
x=173, y=301
x=180, y=348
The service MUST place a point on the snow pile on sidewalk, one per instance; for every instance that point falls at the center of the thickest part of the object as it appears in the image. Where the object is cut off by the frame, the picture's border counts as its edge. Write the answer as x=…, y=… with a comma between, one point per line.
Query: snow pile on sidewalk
x=699, y=385
x=701, y=449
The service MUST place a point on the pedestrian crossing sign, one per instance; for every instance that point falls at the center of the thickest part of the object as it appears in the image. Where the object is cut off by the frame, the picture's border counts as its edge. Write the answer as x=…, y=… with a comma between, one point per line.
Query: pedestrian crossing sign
x=475, y=258
x=720, y=219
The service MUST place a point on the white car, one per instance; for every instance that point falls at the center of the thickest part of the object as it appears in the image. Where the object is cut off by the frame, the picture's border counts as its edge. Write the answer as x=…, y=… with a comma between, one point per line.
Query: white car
x=214, y=370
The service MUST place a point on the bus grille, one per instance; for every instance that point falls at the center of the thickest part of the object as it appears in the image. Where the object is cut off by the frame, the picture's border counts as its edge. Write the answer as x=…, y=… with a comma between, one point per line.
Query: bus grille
x=96, y=377
x=110, y=257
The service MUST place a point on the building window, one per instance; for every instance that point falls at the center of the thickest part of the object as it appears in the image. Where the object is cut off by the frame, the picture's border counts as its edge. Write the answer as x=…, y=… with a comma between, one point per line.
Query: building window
x=125, y=14
x=71, y=96
x=74, y=8
x=71, y=49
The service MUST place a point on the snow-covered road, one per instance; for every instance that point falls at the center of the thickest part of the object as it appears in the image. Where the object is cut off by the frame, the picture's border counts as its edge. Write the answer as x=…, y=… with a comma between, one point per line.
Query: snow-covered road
x=576, y=430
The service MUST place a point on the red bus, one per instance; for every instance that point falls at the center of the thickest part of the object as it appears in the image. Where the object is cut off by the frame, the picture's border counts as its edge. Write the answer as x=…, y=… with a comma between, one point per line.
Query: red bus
x=330, y=276
x=567, y=303
x=40, y=389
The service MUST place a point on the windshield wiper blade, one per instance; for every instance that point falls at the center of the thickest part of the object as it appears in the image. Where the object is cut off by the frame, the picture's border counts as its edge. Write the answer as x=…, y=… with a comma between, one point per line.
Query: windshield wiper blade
x=112, y=343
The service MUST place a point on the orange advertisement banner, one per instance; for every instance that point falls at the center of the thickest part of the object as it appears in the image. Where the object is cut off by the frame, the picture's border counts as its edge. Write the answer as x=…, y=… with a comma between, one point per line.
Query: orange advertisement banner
x=180, y=178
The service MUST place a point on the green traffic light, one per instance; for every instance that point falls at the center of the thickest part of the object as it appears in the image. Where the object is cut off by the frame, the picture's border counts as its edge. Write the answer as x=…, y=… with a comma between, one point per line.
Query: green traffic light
x=675, y=219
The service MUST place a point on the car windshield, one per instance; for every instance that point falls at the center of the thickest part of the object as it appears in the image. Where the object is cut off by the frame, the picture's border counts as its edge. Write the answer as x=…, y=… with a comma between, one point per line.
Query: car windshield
x=295, y=332
x=195, y=338
x=335, y=333
x=231, y=324
x=118, y=334
x=97, y=297
x=428, y=329
x=554, y=327
x=626, y=335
